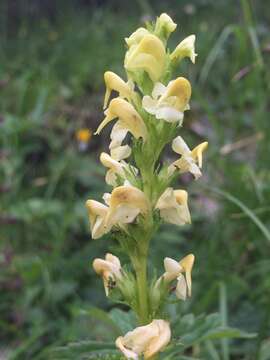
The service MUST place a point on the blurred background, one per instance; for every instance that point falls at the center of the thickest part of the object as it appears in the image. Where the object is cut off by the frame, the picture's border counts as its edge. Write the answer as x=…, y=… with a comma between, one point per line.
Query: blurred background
x=52, y=59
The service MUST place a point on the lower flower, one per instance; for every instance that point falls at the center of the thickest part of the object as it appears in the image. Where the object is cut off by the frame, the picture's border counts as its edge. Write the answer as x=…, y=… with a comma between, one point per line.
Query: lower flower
x=145, y=340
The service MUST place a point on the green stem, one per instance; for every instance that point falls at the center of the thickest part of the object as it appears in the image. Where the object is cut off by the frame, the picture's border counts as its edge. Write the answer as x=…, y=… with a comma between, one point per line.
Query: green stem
x=141, y=274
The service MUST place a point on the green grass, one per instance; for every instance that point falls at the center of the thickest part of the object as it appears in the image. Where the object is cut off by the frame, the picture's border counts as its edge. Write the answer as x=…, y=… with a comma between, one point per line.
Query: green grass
x=51, y=85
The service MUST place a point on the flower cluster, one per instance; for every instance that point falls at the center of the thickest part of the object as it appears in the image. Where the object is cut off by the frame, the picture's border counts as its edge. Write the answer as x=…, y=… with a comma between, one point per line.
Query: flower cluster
x=148, y=114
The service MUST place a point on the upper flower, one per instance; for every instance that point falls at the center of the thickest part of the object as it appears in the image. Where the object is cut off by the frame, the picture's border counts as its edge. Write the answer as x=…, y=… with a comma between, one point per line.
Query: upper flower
x=174, y=270
x=173, y=206
x=145, y=340
x=164, y=26
x=109, y=269
x=114, y=82
x=128, y=118
x=190, y=161
x=146, y=53
x=186, y=48
x=169, y=102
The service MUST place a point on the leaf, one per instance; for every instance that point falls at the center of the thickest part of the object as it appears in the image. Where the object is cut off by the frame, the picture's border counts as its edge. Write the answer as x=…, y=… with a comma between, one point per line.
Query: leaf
x=124, y=320
x=102, y=316
x=245, y=209
x=81, y=348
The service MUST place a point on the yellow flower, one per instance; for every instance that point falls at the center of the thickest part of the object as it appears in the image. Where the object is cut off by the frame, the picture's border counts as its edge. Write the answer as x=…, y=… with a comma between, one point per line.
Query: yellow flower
x=169, y=102
x=122, y=207
x=97, y=217
x=174, y=270
x=145, y=340
x=136, y=37
x=173, y=207
x=148, y=55
x=114, y=82
x=109, y=269
x=128, y=118
x=190, y=161
x=125, y=204
x=83, y=135
x=164, y=25
x=186, y=48
x=115, y=168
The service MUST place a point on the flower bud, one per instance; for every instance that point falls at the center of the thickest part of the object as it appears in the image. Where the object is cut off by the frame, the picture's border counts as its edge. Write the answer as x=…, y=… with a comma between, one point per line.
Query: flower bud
x=164, y=26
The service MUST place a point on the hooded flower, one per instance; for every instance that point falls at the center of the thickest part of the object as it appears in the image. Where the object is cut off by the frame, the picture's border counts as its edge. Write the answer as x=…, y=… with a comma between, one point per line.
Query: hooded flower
x=109, y=269
x=114, y=82
x=186, y=48
x=115, y=168
x=190, y=160
x=175, y=270
x=145, y=340
x=164, y=26
x=97, y=215
x=173, y=207
x=125, y=204
x=169, y=102
x=148, y=55
x=137, y=36
x=128, y=118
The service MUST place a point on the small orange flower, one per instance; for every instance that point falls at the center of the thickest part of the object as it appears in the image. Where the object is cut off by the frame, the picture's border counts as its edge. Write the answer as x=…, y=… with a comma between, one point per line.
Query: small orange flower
x=83, y=135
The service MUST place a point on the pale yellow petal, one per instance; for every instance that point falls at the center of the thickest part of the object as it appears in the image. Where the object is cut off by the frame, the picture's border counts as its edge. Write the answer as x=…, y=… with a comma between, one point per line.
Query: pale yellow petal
x=186, y=48
x=187, y=263
x=198, y=151
x=114, y=82
x=149, y=55
x=159, y=342
x=181, y=287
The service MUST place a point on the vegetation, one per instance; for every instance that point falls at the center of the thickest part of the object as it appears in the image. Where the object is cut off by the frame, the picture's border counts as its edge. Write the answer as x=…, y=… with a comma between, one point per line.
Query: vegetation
x=51, y=86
